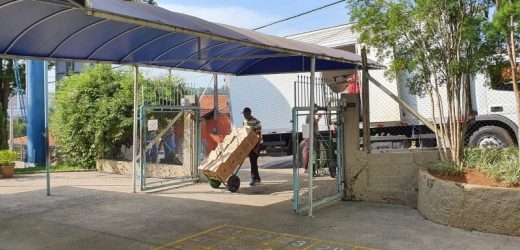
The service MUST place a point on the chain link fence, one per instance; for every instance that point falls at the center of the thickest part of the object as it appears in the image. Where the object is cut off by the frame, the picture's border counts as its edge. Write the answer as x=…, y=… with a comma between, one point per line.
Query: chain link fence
x=326, y=177
x=169, y=135
x=490, y=114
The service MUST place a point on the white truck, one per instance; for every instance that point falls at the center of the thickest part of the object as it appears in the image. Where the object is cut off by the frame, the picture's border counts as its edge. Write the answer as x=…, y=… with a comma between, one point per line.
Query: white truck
x=271, y=97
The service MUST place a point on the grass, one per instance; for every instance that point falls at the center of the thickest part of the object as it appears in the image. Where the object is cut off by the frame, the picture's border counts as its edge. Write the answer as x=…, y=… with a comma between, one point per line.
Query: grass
x=501, y=164
x=54, y=168
x=447, y=168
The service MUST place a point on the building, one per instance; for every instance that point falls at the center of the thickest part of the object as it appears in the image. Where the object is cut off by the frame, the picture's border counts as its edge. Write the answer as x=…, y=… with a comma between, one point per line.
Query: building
x=213, y=130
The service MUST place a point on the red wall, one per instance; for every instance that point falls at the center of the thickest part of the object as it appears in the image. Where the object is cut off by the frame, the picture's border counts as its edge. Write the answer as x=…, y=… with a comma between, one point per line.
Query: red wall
x=223, y=124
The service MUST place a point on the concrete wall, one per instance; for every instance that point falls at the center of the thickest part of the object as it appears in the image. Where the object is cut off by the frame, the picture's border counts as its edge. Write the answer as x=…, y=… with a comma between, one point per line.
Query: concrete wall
x=152, y=169
x=389, y=177
x=471, y=207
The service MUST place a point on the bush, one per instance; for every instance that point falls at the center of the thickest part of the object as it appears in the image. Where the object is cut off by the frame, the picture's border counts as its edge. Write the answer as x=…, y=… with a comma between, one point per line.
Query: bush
x=501, y=164
x=93, y=115
x=8, y=157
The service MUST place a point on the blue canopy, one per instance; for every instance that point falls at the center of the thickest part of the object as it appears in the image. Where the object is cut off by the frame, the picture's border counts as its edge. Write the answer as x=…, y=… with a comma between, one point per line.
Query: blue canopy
x=120, y=32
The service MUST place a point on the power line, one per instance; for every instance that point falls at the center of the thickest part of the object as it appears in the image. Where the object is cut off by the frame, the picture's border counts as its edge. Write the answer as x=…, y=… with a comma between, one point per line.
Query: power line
x=301, y=14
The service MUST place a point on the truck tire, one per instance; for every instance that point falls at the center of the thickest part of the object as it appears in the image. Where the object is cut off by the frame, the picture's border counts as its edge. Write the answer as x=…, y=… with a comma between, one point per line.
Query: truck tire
x=490, y=137
x=289, y=146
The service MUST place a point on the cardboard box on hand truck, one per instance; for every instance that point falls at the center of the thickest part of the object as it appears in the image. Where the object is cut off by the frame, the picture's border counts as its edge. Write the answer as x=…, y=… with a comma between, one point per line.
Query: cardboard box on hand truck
x=229, y=154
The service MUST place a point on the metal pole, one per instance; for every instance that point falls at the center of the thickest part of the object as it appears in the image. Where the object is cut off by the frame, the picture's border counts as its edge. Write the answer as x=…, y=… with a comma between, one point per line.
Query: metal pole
x=403, y=104
x=215, y=99
x=11, y=125
x=311, y=132
x=46, y=123
x=134, y=141
x=366, y=101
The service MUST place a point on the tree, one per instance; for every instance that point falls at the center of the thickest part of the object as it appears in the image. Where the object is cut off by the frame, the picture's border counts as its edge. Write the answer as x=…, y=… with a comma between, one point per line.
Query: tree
x=432, y=44
x=7, y=87
x=505, y=20
x=93, y=115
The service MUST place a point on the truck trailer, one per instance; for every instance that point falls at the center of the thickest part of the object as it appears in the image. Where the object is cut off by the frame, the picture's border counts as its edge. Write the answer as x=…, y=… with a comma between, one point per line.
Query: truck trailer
x=272, y=97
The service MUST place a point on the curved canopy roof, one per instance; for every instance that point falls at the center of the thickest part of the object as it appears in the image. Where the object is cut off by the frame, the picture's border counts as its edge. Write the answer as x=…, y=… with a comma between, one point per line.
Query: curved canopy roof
x=119, y=32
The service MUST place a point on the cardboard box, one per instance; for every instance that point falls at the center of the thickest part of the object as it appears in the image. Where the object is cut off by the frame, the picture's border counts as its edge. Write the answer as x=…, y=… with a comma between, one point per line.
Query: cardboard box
x=229, y=154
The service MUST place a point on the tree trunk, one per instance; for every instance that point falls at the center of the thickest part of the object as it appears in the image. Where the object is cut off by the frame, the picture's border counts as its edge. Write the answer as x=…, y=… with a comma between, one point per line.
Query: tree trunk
x=4, y=102
x=511, y=50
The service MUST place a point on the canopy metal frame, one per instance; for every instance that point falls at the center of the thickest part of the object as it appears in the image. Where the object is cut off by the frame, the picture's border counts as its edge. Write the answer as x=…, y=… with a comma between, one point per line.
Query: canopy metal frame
x=142, y=35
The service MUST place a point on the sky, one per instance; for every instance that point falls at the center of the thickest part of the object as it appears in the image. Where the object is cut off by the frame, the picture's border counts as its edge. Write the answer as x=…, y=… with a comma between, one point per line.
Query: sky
x=251, y=14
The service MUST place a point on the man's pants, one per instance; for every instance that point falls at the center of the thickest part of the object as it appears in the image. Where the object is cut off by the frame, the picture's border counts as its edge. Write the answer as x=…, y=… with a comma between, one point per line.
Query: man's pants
x=253, y=158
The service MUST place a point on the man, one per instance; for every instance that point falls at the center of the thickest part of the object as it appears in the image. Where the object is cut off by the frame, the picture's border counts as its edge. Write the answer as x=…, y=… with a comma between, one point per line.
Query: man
x=254, y=124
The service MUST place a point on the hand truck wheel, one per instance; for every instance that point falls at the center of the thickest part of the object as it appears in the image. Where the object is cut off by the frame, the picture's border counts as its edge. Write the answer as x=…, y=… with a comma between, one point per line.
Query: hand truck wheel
x=214, y=183
x=233, y=183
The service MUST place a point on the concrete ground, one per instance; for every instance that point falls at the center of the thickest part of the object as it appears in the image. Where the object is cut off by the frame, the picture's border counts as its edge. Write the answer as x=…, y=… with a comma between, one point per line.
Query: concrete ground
x=89, y=210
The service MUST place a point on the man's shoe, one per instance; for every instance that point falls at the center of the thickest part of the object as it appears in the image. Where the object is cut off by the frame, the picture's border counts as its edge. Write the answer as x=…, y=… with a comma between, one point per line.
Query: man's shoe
x=258, y=180
x=252, y=183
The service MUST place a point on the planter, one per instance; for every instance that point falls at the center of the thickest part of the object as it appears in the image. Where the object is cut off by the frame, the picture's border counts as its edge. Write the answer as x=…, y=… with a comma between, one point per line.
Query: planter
x=8, y=171
x=470, y=207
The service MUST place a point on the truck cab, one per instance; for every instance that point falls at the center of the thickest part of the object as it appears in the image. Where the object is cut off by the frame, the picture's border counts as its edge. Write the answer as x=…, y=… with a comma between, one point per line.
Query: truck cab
x=495, y=123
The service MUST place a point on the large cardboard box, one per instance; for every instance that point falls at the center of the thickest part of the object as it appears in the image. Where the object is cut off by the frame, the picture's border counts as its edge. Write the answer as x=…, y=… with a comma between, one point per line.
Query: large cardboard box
x=229, y=154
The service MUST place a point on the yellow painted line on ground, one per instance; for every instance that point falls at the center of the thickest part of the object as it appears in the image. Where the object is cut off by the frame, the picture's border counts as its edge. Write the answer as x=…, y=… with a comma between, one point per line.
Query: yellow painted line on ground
x=189, y=237
x=280, y=236
x=308, y=238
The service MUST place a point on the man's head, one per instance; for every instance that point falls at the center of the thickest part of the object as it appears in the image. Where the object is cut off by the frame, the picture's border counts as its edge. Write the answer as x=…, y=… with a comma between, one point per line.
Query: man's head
x=247, y=113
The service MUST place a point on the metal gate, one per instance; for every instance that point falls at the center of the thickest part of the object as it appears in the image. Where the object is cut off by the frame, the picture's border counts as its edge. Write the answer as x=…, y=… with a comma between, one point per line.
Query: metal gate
x=169, y=146
x=169, y=136
x=326, y=181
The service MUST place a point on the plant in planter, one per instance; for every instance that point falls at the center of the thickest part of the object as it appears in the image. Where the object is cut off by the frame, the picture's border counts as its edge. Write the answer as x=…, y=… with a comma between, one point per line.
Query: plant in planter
x=7, y=159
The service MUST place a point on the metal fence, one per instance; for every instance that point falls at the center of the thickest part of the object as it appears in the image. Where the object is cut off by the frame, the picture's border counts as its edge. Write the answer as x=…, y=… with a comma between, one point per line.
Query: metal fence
x=326, y=177
x=169, y=145
x=169, y=135
x=491, y=114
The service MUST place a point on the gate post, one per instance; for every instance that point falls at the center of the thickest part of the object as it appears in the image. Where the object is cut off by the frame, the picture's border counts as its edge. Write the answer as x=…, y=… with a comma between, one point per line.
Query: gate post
x=350, y=114
x=188, y=145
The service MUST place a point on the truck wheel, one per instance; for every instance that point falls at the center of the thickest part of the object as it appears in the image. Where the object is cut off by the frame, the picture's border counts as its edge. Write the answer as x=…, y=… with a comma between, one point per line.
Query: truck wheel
x=289, y=147
x=490, y=137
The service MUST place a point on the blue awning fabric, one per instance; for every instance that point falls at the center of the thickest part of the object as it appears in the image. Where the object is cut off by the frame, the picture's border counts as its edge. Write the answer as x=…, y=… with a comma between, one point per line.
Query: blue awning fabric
x=130, y=33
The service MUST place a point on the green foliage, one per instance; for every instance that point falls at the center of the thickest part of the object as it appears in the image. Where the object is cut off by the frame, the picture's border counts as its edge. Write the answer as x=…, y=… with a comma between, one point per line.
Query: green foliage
x=54, y=168
x=502, y=164
x=93, y=115
x=7, y=87
x=507, y=9
x=164, y=90
x=20, y=127
x=423, y=37
x=8, y=157
x=447, y=168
